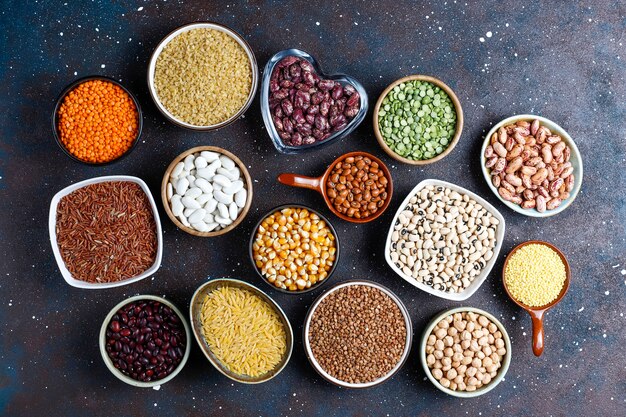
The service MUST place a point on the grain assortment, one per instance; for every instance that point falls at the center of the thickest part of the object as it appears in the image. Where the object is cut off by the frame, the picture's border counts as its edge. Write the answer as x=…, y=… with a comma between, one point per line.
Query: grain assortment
x=294, y=249
x=443, y=239
x=535, y=275
x=243, y=331
x=203, y=76
x=207, y=191
x=357, y=186
x=357, y=334
x=146, y=340
x=530, y=166
x=106, y=232
x=465, y=351
x=305, y=108
x=97, y=121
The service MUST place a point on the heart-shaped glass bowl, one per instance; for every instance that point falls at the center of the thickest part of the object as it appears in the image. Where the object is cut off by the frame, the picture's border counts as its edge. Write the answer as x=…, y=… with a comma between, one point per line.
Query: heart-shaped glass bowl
x=341, y=78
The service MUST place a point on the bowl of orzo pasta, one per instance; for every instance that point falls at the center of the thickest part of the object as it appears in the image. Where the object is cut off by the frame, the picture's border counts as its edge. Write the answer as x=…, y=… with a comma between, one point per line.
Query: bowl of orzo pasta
x=203, y=76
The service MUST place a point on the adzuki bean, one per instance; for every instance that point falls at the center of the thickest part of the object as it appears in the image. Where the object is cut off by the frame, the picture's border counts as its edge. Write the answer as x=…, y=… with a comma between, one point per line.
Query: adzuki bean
x=306, y=109
x=146, y=340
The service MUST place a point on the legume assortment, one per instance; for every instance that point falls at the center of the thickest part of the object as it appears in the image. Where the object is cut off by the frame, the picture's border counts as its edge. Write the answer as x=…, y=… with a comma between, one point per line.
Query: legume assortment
x=357, y=334
x=530, y=166
x=417, y=120
x=106, y=232
x=357, y=187
x=203, y=76
x=443, y=239
x=465, y=351
x=243, y=331
x=535, y=275
x=294, y=249
x=146, y=340
x=97, y=121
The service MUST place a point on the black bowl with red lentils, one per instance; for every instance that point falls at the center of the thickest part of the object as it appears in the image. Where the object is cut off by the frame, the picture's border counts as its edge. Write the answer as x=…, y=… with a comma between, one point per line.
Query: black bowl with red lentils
x=145, y=341
x=96, y=120
x=371, y=342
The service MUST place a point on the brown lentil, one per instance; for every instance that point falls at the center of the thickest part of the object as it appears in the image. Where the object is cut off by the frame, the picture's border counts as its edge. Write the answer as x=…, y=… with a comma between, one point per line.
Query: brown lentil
x=357, y=187
x=203, y=77
x=465, y=351
x=294, y=249
x=106, y=232
x=357, y=334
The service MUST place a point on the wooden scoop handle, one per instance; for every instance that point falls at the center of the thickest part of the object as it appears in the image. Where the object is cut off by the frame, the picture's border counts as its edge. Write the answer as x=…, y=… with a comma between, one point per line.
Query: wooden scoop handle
x=538, y=334
x=295, y=180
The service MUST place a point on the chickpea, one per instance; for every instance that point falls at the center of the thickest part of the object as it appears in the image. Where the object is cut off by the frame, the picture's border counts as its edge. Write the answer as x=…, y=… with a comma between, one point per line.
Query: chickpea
x=438, y=354
x=441, y=333
x=451, y=374
x=444, y=382
x=437, y=374
x=430, y=359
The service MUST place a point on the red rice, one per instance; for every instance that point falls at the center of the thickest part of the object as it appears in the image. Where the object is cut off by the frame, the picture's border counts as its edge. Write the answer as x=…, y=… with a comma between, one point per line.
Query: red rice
x=106, y=232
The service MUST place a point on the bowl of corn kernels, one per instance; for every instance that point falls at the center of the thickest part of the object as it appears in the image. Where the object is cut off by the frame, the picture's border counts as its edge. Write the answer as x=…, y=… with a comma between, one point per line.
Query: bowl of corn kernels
x=294, y=249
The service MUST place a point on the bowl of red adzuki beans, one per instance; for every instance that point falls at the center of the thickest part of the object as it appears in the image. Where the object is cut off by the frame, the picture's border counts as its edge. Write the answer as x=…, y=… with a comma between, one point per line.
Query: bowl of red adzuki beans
x=303, y=107
x=144, y=341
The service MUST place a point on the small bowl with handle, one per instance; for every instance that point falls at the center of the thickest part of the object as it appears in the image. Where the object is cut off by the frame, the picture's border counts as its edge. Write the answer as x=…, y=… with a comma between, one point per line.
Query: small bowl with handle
x=319, y=184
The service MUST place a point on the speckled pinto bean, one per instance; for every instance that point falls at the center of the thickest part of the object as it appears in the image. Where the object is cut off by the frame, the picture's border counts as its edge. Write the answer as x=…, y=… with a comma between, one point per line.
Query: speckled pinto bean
x=305, y=108
x=465, y=351
x=443, y=239
x=146, y=340
x=357, y=187
x=524, y=155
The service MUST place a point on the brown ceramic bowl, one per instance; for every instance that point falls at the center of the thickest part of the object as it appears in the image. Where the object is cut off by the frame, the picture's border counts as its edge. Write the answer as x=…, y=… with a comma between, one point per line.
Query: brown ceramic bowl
x=319, y=184
x=168, y=208
x=457, y=108
x=536, y=313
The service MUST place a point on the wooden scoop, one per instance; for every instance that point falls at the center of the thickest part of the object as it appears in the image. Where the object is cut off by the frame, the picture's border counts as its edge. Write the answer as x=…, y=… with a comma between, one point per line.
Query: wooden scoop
x=536, y=313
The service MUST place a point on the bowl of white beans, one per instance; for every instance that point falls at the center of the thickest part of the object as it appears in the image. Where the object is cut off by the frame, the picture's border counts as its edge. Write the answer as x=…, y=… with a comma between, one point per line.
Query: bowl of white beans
x=206, y=191
x=465, y=352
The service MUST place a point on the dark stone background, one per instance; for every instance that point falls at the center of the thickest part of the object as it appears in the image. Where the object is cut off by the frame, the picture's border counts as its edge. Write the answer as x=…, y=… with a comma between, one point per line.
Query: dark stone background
x=559, y=59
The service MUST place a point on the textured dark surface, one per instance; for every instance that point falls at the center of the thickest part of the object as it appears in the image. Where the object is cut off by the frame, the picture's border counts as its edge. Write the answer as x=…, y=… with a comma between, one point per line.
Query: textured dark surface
x=554, y=58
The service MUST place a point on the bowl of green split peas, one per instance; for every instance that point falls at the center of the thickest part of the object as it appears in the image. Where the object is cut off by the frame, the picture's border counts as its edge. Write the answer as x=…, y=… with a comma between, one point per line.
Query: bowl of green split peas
x=418, y=120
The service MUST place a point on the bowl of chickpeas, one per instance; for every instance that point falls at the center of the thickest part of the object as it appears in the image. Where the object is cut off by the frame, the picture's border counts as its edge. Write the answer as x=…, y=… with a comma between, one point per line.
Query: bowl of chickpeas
x=465, y=352
x=294, y=249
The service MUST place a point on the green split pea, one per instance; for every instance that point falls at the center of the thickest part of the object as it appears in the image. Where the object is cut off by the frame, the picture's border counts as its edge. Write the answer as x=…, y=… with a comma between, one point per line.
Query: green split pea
x=417, y=120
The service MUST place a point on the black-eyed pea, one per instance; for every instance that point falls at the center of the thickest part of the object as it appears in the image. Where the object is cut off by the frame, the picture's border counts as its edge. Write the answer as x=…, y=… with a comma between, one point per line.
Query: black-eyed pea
x=437, y=374
x=438, y=354
x=445, y=382
x=430, y=360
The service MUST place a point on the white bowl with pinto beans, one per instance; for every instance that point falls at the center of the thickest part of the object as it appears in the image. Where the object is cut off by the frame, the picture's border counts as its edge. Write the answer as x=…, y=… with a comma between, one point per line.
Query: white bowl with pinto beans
x=465, y=352
x=532, y=165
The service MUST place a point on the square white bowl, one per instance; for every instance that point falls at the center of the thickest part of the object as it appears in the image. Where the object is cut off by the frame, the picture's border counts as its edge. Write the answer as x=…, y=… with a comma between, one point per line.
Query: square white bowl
x=55, y=246
x=478, y=280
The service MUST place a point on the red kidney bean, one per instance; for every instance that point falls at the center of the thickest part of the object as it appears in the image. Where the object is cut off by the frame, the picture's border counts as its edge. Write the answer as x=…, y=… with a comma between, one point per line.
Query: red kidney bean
x=145, y=340
x=306, y=108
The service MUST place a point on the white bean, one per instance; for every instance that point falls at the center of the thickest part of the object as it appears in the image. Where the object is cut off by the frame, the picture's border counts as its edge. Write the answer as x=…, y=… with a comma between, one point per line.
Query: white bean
x=241, y=197
x=227, y=162
x=197, y=216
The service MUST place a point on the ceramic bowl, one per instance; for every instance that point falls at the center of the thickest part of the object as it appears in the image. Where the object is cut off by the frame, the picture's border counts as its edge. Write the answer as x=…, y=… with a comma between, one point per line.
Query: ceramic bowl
x=195, y=310
x=319, y=184
x=246, y=178
x=459, y=120
x=109, y=363
x=52, y=219
x=318, y=367
x=341, y=78
x=202, y=25
x=575, y=159
x=258, y=271
x=501, y=372
x=59, y=101
x=478, y=280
